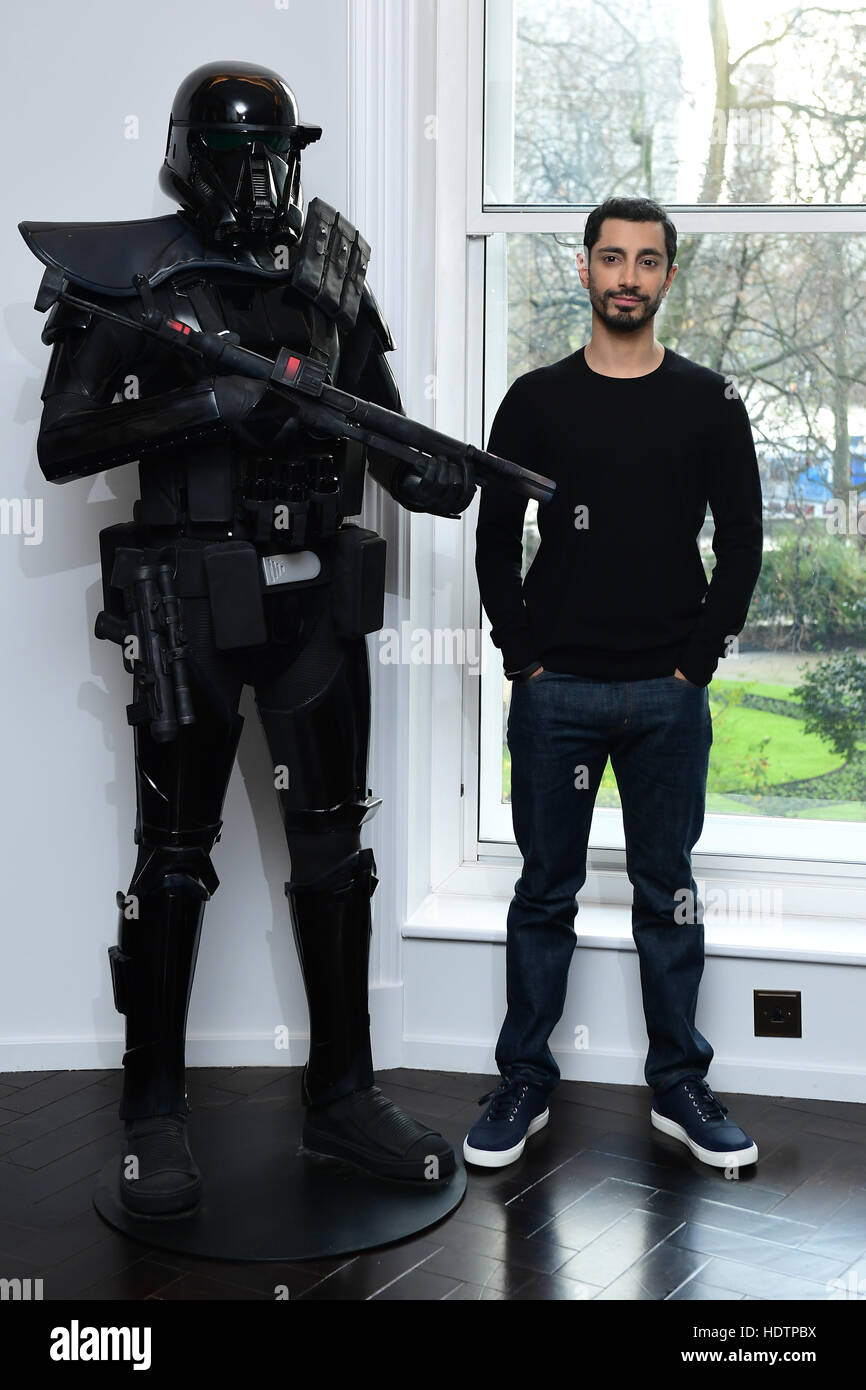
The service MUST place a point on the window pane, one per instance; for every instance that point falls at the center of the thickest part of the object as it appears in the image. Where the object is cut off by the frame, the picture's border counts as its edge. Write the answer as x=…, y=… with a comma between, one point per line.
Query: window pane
x=783, y=317
x=584, y=100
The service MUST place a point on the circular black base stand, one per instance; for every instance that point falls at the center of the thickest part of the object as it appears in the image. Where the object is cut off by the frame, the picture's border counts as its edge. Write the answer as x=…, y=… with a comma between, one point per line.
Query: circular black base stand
x=266, y=1198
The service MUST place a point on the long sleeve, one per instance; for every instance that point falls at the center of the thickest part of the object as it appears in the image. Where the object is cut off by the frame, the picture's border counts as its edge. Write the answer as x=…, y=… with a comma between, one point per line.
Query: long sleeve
x=734, y=495
x=499, y=541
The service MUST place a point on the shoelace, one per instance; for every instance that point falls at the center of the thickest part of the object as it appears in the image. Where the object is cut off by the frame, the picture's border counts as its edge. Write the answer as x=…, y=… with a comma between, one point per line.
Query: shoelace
x=505, y=1099
x=708, y=1105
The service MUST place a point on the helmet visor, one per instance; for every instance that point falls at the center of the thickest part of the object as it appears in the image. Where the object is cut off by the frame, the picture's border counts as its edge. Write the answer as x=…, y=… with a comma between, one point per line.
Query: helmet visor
x=221, y=141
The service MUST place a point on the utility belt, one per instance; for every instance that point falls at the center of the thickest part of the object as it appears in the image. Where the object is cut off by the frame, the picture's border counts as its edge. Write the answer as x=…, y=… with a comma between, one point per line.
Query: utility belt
x=240, y=579
x=209, y=493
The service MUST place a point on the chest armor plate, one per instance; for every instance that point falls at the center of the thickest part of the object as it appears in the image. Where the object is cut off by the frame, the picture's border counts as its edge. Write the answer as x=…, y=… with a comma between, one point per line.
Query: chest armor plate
x=216, y=483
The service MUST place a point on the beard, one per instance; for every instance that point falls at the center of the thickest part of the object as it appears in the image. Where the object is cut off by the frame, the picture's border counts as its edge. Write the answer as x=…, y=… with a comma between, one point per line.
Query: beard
x=623, y=320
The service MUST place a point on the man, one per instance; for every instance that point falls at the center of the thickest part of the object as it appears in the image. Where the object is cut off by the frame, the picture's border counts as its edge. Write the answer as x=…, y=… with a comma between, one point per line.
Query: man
x=611, y=643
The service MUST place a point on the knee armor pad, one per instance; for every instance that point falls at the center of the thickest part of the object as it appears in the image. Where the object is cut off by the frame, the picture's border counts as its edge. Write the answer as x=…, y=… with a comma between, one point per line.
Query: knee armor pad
x=349, y=815
x=356, y=868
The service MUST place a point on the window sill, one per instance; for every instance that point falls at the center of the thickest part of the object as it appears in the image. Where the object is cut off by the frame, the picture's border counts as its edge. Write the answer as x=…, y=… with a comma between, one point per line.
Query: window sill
x=479, y=915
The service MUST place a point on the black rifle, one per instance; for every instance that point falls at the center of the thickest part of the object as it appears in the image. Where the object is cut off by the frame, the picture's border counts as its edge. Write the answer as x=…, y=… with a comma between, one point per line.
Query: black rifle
x=153, y=644
x=302, y=381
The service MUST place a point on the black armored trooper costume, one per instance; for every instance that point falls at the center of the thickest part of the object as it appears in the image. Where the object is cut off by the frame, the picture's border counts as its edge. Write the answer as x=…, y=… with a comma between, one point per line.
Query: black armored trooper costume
x=238, y=567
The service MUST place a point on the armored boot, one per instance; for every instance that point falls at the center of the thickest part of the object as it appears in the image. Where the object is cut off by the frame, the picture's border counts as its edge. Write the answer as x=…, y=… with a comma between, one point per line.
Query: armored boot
x=347, y=1116
x=152, y=972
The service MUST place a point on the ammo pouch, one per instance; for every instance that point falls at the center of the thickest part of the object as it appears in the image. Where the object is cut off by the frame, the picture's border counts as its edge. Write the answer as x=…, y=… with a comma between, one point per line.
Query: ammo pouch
x=358, y=581
x=332, y=263
x=234, y=586
x=353, y=561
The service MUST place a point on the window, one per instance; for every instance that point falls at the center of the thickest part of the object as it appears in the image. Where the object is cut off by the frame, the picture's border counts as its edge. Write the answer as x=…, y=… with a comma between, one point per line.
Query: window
x=740, y=102
x=752, y=134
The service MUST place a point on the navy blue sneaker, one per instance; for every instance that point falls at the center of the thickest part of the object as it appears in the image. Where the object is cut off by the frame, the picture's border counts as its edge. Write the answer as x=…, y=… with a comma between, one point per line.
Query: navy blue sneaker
x=689, y=1111
x=517, y=1109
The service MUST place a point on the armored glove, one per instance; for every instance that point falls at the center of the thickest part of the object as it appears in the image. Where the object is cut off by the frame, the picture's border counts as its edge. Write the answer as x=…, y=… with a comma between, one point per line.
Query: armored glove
x=445, y=489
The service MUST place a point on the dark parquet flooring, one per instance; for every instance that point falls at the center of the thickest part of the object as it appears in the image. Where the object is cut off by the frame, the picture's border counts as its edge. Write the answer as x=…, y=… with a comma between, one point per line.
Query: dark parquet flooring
x=600, y=1206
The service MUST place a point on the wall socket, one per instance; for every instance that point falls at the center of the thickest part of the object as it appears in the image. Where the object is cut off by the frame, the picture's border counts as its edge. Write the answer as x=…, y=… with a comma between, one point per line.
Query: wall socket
x=778, y=1013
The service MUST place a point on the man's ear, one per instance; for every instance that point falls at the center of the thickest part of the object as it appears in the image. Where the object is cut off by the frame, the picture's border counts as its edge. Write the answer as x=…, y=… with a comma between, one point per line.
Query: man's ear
x=582, y=270
x=670, y=276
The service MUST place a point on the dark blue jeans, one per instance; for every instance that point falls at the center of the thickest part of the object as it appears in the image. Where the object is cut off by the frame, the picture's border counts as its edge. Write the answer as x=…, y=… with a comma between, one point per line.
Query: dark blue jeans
x=658, y=734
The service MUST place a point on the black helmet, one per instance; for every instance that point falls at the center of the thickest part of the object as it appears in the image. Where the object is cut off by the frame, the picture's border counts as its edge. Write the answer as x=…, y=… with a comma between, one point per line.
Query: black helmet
x=233, y=154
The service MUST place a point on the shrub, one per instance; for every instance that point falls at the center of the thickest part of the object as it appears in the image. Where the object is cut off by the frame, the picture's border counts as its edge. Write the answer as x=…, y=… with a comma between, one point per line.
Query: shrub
x=833, y=699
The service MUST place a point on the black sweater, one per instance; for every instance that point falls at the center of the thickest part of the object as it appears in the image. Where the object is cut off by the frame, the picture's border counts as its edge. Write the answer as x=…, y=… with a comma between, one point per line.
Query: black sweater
x=617, y=590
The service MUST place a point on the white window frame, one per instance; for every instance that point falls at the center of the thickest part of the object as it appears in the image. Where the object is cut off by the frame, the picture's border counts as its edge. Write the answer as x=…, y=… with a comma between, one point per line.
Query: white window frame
x=458, y=887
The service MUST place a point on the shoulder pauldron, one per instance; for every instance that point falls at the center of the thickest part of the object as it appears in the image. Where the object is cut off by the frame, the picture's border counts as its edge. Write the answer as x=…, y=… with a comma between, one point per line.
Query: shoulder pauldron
x=328, y=265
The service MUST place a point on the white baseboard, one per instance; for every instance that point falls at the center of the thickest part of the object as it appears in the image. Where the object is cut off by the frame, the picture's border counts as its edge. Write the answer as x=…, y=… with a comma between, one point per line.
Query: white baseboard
x=61, y=1053
x=625, y=1068
x=617, y=1066
x=255, y=1049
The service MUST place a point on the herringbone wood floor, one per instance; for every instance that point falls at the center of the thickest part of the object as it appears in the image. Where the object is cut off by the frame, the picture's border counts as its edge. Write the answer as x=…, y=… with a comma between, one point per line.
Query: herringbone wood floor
x=601, y=1206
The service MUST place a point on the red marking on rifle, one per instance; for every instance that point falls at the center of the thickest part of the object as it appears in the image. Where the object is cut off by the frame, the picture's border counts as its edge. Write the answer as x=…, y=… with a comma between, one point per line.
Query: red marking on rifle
x=178, y=327
x=292, y=367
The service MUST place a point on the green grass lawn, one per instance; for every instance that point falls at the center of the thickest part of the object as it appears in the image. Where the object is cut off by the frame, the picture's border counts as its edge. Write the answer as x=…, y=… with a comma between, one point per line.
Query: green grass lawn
x=792, y=753
x=792, y=756
x=776, y=692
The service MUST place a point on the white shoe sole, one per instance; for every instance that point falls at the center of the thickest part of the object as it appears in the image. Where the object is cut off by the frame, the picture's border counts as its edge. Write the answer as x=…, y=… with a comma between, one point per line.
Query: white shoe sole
x=499, y=1158
x=734, y=1158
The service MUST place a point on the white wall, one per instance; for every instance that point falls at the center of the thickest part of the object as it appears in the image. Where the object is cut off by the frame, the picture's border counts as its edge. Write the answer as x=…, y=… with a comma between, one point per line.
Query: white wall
x=366, y=70
x=71, y=77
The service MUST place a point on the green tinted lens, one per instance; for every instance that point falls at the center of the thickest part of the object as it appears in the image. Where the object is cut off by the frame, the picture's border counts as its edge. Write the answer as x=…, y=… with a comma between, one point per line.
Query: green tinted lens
x=276, y=140
x=226, y=139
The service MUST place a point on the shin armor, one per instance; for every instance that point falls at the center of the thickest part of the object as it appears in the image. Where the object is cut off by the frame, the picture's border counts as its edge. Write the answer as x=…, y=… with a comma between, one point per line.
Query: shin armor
x=331, y=920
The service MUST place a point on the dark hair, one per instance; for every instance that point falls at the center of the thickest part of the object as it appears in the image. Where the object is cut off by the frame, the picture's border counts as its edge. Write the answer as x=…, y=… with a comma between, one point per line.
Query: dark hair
x=630, y=210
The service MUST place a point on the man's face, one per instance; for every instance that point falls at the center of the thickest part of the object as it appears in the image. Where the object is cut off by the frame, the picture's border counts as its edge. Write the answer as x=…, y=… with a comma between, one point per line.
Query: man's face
x=627, y=277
